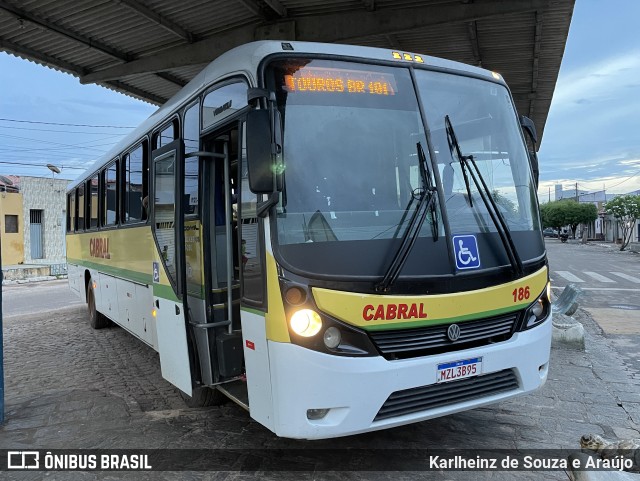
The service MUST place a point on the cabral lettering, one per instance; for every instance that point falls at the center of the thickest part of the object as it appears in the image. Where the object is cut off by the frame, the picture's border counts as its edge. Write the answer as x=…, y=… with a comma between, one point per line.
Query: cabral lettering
x=99, y=247
x=393, y=311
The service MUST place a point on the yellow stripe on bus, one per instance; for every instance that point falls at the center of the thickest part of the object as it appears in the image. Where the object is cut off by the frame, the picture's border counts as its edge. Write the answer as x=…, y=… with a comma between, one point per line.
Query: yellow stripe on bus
x=377, y=312
x=128, y=253
x=275, y=318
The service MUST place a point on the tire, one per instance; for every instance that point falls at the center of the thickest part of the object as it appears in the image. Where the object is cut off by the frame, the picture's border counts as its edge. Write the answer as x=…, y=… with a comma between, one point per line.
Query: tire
x=203, y=397
x=96, y=320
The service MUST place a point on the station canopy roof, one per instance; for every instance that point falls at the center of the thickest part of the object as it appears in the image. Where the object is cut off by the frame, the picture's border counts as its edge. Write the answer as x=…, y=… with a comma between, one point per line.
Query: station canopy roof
x=150, y=49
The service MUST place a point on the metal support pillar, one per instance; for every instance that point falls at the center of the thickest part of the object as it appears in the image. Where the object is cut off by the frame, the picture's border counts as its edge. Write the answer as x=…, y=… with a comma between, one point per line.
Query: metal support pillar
x=1, y=347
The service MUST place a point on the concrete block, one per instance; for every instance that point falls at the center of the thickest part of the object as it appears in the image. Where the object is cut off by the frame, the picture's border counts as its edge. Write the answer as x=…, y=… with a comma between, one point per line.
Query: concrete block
x=567, y=332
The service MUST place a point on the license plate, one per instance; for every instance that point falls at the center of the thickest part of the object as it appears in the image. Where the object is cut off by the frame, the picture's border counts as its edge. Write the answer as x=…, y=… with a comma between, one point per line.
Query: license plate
x=452, y=371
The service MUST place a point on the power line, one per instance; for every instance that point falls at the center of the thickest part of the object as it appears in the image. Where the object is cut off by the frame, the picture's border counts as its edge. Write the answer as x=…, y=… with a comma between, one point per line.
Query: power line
x=69, y=125
x=628, y=178
x=55, y=143
x=91, y=147
x=37, y=165
x=62, y=131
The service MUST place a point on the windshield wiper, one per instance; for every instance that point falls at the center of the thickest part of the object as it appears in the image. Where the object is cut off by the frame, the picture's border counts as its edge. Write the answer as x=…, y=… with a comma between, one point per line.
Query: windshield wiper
x=466, y=162
x=463, y=159
x=427, y=191
x=426, y=182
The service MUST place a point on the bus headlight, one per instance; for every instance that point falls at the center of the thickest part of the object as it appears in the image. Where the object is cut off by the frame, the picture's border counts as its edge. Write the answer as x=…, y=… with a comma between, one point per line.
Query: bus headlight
x=306, y=322
x=538, y=308
x=538, y=312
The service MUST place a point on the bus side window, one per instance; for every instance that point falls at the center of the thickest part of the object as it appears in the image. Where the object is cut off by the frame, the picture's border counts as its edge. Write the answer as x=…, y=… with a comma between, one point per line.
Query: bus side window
x=71, y=212
x=136, y=185
x=223, y=102
x=81, y=204
x=166, y=135
x=92, y=195
x=110, y=195
x=251, y=243
x=191, y=134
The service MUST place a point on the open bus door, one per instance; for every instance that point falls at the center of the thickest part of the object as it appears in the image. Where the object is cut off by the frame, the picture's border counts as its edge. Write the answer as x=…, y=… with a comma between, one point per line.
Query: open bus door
x=214, y=293
x=168, y=266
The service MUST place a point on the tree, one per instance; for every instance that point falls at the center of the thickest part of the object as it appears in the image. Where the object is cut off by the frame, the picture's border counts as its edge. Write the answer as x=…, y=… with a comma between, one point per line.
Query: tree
x=508, y=206
x=581, y=214
x=564, y=212
x=552, y=215
x=626, y=210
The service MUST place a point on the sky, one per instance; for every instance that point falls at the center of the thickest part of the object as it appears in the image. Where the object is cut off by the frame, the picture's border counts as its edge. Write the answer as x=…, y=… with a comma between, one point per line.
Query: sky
x=591, y=136
x=592, y=133
x=33, y=97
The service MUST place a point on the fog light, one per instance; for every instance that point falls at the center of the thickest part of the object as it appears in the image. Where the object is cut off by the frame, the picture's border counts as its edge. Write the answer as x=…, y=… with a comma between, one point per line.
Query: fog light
x=315, y=414
x=332, y=337
x=538, y=308
x=306, y=323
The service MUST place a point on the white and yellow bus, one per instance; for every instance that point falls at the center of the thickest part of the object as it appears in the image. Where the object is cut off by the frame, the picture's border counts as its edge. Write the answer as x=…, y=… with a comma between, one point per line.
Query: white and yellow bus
x=341, y=239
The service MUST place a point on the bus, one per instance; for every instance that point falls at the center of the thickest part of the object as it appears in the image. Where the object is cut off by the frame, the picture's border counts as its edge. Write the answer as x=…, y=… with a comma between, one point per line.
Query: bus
x=340, y=239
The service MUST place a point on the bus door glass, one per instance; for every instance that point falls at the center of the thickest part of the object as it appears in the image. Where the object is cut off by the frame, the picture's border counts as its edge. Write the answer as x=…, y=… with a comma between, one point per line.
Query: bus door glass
x=168, y=229
x=168, y=268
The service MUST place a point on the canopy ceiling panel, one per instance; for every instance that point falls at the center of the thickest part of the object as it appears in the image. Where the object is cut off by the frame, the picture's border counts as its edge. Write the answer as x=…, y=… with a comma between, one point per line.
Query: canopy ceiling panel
x=150, y=49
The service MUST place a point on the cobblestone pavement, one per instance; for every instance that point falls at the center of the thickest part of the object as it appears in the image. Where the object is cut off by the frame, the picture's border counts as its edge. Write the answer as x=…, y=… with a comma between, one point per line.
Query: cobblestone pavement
x=68, y=386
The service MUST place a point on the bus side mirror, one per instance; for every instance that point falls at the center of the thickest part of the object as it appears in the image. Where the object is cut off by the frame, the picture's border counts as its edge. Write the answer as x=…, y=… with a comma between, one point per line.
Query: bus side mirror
x=534, y=166
x=259, y=158
x=530, y=128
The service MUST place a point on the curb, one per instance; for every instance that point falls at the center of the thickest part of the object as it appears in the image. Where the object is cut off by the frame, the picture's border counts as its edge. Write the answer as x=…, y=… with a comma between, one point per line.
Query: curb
x=33, y=279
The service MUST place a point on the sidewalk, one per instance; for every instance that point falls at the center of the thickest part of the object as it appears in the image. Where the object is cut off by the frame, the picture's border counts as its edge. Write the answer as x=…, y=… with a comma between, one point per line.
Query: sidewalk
x=632, y=249
x=68, y=386
x=21, y=273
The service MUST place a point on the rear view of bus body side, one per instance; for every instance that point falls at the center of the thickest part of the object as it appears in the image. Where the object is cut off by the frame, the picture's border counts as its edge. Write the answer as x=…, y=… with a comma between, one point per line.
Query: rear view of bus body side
x=340, y=239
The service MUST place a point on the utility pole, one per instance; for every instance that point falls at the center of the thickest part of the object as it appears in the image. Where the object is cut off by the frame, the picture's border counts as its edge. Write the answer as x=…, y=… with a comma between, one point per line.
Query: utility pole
x=577, y=192
x=549, y=194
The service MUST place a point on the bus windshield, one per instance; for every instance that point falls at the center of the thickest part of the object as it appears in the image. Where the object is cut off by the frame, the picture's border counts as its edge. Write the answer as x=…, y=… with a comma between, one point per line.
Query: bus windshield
x=352, y=136
x=483, y=117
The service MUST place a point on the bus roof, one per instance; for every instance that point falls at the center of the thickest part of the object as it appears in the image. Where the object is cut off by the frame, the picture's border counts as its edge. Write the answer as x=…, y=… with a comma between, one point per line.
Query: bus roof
x=245, y=60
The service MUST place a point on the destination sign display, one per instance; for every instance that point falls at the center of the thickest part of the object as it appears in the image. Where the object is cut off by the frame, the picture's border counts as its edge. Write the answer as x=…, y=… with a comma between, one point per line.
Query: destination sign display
x=333, y=80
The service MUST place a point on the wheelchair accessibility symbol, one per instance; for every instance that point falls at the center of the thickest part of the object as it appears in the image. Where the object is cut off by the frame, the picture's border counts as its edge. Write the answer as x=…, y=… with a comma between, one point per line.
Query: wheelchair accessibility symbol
x=466, y=249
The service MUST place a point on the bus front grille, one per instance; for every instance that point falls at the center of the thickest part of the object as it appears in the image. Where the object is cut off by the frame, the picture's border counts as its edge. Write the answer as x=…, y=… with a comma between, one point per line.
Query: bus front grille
x=433, y=396
x=404, y=343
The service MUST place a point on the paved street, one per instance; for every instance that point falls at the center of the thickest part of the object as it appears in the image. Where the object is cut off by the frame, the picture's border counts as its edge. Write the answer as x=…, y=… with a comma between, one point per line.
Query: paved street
x=37, y=297
x=68, y=386
x=610, y=280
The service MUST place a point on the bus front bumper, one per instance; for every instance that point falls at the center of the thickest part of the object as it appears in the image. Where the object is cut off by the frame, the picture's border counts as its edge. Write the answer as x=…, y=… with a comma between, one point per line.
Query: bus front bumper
x=355, y=389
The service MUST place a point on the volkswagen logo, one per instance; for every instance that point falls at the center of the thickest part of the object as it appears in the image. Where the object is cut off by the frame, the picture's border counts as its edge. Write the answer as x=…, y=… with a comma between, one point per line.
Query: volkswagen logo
x=453, y=333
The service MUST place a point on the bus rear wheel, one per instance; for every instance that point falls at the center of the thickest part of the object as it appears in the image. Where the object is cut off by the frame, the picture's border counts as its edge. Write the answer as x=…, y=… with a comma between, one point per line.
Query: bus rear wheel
x=204, y=396
x=96, y=319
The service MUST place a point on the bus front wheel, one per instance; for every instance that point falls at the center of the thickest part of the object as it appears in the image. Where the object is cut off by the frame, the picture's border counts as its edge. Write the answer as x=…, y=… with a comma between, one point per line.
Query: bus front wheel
x=203, y=397
x=96, y=319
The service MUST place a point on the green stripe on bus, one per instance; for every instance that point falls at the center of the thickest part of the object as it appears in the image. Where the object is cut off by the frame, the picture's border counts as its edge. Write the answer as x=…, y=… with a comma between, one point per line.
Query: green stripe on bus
x=159, y=290
x=115, y=271
x=166, y=292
